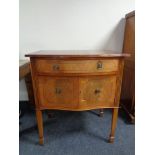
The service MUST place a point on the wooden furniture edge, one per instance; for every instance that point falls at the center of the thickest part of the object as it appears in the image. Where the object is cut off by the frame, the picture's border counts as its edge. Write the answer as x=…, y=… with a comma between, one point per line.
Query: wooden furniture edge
x=130, y=14
x=50, y=55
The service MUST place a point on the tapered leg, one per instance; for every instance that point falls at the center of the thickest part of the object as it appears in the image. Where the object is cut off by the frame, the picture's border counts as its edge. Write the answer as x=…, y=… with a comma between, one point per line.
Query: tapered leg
x=113, y=125
x=101, y=113
x=40, y=126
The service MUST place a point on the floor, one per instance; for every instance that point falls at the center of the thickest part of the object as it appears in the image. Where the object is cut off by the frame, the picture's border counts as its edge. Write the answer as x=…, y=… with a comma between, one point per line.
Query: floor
x=76, y=133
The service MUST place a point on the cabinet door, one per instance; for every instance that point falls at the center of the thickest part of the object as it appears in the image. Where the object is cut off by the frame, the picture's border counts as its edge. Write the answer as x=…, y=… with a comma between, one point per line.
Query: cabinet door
x=57, y=92
x=97, y=92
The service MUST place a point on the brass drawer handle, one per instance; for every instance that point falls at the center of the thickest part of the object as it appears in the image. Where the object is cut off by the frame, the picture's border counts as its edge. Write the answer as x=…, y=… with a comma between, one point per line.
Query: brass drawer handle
x=56, y=67
x=57, y=90
x=99, y=65
x=97, y=91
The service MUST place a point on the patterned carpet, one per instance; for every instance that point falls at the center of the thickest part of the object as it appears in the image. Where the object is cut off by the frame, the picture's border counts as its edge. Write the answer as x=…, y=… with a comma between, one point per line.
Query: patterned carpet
x=76, y=133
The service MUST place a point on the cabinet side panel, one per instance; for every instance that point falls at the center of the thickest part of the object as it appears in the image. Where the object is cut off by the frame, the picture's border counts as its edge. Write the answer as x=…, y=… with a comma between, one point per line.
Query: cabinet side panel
x=119, y=82
x=34, y=82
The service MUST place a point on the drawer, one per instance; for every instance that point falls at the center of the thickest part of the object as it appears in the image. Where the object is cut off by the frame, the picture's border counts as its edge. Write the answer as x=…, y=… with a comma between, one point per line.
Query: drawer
x=97, y=92
x=56, y=92
x=76, y=66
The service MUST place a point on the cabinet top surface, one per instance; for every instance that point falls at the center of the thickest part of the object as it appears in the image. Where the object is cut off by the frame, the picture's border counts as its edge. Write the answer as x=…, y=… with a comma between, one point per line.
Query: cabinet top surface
x=76, y=54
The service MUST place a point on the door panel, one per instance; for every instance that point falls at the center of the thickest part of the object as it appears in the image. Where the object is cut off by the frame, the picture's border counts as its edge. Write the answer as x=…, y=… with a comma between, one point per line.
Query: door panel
x=97, y=91
x=57, y=92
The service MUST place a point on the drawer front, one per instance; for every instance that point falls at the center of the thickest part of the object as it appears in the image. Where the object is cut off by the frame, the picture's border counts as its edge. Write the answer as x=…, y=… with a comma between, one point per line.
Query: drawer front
x=55, y=92
x=97, y=92
x=76, y=66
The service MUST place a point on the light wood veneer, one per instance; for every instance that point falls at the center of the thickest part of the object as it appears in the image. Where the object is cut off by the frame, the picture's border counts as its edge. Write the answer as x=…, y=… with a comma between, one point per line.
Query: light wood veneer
x=76, y=82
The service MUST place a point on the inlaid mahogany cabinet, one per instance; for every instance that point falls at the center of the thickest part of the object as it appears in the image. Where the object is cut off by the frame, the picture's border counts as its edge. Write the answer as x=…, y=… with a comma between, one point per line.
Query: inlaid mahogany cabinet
x=82, y=81
x=128, y=84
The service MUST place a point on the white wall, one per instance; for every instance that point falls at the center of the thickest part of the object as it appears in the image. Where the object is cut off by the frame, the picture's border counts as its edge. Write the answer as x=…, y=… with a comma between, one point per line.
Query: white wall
x=71, y=24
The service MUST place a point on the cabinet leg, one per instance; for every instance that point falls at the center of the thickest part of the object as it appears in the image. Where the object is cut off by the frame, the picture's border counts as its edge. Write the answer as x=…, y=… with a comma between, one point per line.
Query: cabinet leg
x=113, y=125
x=101, y=113
x=40, y=126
